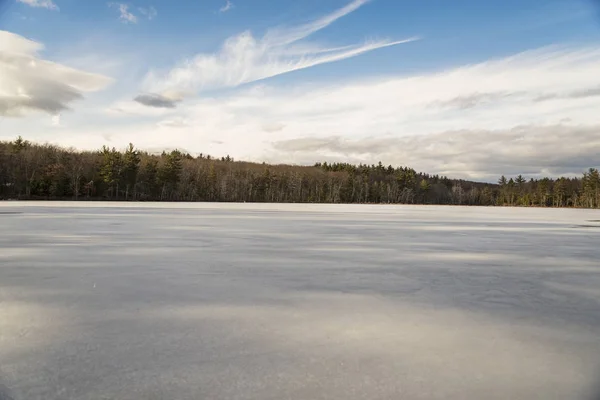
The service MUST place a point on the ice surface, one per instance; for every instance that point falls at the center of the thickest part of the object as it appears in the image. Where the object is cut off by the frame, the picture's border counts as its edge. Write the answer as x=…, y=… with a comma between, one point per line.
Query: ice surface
x=274, y=301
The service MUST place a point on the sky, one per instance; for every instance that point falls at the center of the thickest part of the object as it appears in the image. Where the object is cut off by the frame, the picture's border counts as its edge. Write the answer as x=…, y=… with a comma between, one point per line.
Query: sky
x=465, y=88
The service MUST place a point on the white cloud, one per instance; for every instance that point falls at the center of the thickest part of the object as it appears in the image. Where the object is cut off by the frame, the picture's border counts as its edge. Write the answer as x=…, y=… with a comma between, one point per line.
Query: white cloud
x=49, y=4
x=177, y=122
x=534, y=113
x=28, y=82
x=531, y=150
x=227, y=7
x=283, y=36
x=244, y=58
x=128, y=17
x=477, y=121
x=124, y=14
x=149, y=12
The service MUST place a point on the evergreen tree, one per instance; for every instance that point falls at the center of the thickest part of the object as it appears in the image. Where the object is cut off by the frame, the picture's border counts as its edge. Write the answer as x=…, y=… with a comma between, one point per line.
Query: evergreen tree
x=502, y=198
x=560, y=192
x=424, y=187
x=169, y=173
x=148, y=178
x=131, y=165
x=510, y=187
x=544, y=192
x=591, y=188
x=32, y=171
x=111, y=169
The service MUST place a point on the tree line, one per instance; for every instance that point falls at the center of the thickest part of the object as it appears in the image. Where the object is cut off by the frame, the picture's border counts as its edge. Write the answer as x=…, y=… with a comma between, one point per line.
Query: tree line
x=44, y=171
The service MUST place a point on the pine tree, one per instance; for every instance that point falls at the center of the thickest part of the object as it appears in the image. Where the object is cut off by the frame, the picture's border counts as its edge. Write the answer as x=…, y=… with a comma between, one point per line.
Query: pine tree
x=131, y=165
x=424, y=187
x=111, y=169
x=29, y=170
x=591, y=188
x=169, y=173
x=511, y=191
x=148, y=176
x=502, y=182
x=560, y=191
x=520, y=182
x=544, y=191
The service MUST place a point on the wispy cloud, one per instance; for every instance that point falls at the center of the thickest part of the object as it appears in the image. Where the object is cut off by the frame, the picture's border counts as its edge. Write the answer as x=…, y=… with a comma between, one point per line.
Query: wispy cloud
x=174, y=123
x=227, y=7
x=124, y=14
x=149, y=12
x=49, y=4
x=28, y=82
x=56, y=120
x=244, y=58
x=476, y=121
x=533, y=150
x=465, y=102
x=577, y=94
x=283, y=36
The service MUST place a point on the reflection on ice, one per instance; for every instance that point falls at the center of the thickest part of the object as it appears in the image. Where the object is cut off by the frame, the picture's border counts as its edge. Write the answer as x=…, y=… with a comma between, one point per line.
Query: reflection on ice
x=258, y=301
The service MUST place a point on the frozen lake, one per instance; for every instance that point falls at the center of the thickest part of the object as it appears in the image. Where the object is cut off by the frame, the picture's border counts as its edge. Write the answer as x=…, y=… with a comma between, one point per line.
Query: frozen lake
x=299, y=302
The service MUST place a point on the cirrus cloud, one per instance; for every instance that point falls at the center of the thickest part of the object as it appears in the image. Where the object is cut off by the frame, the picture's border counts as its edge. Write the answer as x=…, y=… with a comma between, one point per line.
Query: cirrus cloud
x=227, y=7
x=485, y=154
x=125, y=15
x=149, y=12
x=244, y=58
x=49, y=4
x=476, y=121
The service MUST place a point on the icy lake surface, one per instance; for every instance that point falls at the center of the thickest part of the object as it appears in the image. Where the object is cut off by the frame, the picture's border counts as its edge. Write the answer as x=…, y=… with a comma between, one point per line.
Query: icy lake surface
x=300, y=302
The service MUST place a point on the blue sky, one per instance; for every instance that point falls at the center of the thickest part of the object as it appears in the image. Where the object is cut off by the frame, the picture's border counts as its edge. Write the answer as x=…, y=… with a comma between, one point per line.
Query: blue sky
x=453, y=32
x=426, y=83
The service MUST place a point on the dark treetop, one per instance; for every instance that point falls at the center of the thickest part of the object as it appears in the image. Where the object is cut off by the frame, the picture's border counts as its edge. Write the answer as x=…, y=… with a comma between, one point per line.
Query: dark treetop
x=34, y=171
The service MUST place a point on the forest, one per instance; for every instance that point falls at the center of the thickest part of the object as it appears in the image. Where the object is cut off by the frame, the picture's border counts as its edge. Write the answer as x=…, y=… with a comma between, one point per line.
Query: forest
x=30, y=171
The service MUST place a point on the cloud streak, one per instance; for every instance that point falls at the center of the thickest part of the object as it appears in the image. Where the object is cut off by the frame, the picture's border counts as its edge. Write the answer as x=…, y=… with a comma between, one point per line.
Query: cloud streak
x=284, y=36
x=125, y=15
x=149, y=12
x=477, y=154
x=577, y=94
x=465, y=102
x=227, y=7
x=477, y=121
x=49, y=4
x=244, y=58
x=28, y=82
